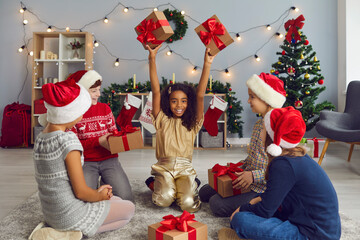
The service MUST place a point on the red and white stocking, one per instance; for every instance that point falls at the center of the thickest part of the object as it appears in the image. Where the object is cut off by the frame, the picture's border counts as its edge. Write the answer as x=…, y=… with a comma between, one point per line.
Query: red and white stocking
x=145, y=117
x=131, y=105
x=216, y=108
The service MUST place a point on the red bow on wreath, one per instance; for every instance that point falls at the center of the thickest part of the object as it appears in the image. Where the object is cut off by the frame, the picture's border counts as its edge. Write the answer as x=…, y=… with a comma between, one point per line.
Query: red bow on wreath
x=213, y=29
x=145, y=28
x=292, y=27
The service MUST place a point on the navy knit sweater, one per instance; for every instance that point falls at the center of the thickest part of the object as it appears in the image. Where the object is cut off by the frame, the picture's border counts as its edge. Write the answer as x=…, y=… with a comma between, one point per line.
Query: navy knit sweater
x=299, y=190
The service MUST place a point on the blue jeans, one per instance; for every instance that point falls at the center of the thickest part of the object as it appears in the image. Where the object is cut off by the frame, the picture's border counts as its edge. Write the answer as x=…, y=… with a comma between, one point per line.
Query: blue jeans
x=250, y=226
x=111, y=173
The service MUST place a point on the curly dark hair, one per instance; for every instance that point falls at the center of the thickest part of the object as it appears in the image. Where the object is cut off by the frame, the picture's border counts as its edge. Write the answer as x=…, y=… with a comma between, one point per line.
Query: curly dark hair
x=189, y=117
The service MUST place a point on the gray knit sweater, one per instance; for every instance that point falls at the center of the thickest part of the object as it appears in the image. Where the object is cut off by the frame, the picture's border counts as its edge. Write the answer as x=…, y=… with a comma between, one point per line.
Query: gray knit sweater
x=61, y=209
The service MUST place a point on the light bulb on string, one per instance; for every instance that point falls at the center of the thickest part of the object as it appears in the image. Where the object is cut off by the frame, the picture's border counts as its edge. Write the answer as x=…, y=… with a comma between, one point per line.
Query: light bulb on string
x=280, y=35
x=268, y=27
x=295, y=9
x=21, y=49
x=22, y=10
x=49, y=29
x=257, y=58
x=31, y=53
x=227, y=72
x=25, y=21
x=67, y=29
x=169, y=52
x=106, y=20
x=96, y=44
x=126, y=9
x=117, y=63
x=238, y=37
x=156, y=9
x=194, y=69
x=182, y=12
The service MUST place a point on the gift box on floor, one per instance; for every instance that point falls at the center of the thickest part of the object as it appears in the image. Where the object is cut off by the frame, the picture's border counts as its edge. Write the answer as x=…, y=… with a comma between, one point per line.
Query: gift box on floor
x=183, y=227
x=128, y=139
x=314, y=146
x=221, y=178
x=214, y=35
x=39, y=106
x=154, y=30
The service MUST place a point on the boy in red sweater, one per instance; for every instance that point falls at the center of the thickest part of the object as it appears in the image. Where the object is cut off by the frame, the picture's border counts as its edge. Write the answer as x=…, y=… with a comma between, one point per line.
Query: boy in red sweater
x=97, y=124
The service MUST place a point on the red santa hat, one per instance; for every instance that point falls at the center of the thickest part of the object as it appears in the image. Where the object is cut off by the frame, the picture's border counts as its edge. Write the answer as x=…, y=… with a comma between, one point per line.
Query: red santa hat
x=65, y=101
x=286, y=128
x=268, y=88
x=85, y=78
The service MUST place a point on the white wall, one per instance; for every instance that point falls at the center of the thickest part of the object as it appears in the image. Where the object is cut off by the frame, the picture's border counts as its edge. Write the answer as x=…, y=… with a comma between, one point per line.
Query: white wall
x=120, y=38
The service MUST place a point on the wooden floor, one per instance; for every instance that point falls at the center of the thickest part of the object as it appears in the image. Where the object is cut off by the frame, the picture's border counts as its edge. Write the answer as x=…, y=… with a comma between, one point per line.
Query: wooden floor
x=17, y=181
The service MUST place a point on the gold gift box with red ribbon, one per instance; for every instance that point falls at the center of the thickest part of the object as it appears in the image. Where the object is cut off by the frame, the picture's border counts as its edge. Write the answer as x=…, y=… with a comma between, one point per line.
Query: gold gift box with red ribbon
x=183, y=227
x=128, y=139
x=214, y=35
x=221, y=178
x=154, y=30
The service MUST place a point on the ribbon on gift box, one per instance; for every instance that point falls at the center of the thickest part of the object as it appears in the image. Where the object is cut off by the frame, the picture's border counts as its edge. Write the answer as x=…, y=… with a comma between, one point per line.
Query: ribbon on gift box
x=316, y=147
x=125, y=130
x=230, y=170
x=146, y=27
x=213, y=29
x=292, y=27
x=180, y=223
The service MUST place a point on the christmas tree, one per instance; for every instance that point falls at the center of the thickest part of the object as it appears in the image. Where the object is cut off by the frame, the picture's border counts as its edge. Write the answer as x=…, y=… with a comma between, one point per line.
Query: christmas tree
x=300, y=70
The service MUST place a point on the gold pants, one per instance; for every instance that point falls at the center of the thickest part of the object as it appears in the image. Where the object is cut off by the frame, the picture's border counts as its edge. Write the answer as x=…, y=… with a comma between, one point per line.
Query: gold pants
x=175, y=180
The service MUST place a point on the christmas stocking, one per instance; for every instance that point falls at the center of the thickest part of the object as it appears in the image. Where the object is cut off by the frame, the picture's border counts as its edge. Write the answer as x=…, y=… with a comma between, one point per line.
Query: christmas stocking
x=145, y=118
x=216, y=108
x=131, y=105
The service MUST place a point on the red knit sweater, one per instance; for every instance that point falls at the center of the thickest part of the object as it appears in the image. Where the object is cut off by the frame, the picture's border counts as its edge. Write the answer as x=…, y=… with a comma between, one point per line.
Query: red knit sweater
x=96, y=122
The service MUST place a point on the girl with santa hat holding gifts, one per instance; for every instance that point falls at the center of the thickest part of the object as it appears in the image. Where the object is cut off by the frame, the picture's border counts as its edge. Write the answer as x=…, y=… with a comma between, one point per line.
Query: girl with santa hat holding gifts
x=266, y=92
x=70, y=207
x=300, y=201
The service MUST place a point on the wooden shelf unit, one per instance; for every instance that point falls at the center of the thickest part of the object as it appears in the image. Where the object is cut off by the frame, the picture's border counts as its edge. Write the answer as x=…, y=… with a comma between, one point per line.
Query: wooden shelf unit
x=57, y=43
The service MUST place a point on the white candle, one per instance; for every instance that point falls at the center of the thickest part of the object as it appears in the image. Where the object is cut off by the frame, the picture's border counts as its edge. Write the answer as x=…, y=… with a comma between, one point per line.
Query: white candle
x=134, y=81
x=42, y=54
x=173, y=80
x=210, y=82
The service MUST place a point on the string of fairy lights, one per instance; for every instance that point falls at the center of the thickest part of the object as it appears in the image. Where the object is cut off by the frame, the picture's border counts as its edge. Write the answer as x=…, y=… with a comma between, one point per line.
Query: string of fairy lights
x=238, y=35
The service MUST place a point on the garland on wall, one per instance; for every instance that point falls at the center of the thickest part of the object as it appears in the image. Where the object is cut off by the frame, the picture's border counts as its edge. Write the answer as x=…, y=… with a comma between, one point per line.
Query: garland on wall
x=110, y=96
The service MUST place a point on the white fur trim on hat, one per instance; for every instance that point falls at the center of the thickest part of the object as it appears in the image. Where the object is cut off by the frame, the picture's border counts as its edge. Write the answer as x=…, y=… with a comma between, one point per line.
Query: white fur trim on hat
x=270, y=131
x=70, y=112
x=89, y=79
x=265, y=92
x=42, y=120
x=218, y=103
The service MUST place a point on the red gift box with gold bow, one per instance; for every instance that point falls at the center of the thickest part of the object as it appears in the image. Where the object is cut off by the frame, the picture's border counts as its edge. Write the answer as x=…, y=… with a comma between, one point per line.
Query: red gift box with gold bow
x=154, y=30
x=127, y=139
x=221, y=178
x=183, y=227
x=214, y=35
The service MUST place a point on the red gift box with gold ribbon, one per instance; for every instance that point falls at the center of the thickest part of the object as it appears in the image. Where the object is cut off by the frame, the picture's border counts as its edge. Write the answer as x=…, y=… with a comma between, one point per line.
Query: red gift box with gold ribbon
x=154, y=30
x=214, y=35
x=221, y=178
x=127, y=139
x=183, y=227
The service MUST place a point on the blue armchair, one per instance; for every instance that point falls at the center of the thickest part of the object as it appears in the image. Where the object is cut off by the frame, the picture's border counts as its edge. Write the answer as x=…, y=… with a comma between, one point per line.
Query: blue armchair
x=343, y=127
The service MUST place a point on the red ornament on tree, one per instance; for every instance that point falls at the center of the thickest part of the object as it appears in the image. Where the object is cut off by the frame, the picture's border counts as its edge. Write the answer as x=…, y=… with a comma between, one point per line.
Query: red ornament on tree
x=291, y=71
x=181, y=38
x=171, y=82
x=113, y=91
x=283, y=52
x=298, y=104
x=230, y=106
x=306, y=42
x=170, y=40
x=230, y=89
x=171, y=14
x=321, y=81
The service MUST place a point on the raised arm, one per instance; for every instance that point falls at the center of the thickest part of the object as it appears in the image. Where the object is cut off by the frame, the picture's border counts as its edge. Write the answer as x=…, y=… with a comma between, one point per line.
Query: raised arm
x=154, y=80
x=200, y=91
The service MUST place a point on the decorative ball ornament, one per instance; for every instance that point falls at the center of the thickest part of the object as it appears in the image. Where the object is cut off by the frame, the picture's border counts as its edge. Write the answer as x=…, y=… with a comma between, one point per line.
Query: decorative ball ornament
x=321, y=81
x=298, y=104
x=306, y=42
x=283, y=52
x=279, y=62
x=272, y=71
x=307, y=76
x=180, y=24
x=293, y=41
x=307, y=92
x=230, y=89
x=276, y=72
x=230, y=106
x=291, y=71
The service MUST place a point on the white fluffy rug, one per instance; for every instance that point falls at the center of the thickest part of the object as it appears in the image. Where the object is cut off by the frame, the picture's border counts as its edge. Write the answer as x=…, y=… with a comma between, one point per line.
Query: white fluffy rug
x=22, y=220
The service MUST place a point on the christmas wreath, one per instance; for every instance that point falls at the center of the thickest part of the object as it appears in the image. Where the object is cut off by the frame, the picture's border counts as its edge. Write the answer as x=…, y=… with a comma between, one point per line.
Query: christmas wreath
x=234, y=123
x=180, y=24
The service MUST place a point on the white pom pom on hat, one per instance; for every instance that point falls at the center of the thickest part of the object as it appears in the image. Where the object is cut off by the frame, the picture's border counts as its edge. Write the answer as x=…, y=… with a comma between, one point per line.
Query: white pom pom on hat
x=274, y=150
